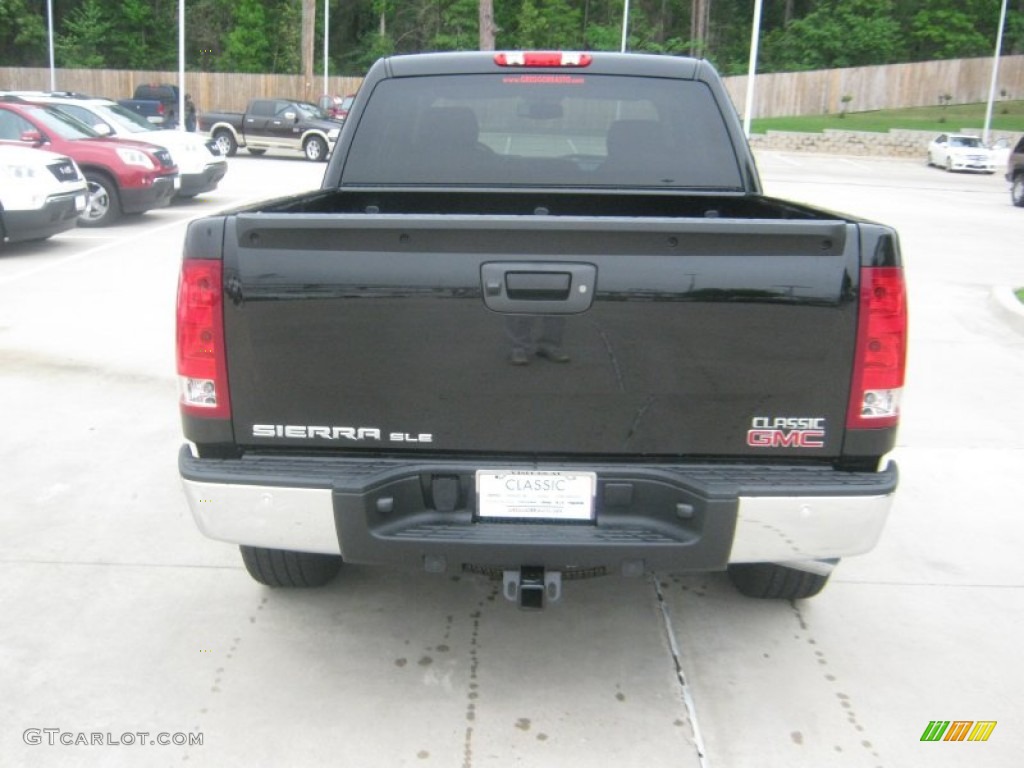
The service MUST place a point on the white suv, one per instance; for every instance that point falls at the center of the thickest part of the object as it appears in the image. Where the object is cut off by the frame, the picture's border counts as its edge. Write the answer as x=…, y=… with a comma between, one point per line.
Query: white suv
x=41, y=193
x=200, y=162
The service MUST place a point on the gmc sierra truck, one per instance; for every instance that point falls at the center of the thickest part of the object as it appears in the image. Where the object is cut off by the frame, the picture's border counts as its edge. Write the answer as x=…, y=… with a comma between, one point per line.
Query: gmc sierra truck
x=540, y=322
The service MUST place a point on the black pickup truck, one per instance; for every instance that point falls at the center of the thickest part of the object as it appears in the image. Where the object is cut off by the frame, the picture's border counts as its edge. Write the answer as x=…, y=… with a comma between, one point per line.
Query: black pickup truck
x=273, y=124
x=541, y=323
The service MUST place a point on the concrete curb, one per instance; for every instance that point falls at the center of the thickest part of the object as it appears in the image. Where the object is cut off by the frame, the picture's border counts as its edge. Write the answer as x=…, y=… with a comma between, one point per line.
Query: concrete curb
x=1008, y=306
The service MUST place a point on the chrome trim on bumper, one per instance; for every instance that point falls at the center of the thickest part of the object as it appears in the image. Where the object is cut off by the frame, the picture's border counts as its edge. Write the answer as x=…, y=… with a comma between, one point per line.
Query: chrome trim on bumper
x=791, y=531
x=786, y=530
x=297, y=519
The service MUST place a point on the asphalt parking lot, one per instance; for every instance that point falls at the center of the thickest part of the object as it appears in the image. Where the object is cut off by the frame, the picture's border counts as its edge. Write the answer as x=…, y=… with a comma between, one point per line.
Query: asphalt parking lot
x=121, y=620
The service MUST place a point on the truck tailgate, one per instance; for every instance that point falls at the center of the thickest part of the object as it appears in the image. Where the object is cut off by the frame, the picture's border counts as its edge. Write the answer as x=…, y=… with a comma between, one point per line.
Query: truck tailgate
x=695, y=337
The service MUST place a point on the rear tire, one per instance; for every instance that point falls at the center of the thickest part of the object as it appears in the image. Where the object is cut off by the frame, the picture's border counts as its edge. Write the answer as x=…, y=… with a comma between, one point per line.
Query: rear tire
x=769, y=581
x=282, y=568
x=226, y=142
x=1017, y=190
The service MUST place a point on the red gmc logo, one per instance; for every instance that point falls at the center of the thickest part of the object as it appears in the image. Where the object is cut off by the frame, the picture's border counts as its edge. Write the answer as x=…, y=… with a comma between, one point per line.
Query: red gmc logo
x=783, y=438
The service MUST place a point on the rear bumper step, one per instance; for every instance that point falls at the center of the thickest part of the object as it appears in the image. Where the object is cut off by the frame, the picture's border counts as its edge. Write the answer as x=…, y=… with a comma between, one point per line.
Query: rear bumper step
x=682, y=517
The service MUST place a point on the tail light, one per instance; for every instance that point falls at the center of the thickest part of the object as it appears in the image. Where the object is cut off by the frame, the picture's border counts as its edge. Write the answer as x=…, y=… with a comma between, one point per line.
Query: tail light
x=881, y=353
x=202, y=365
x=542, y=59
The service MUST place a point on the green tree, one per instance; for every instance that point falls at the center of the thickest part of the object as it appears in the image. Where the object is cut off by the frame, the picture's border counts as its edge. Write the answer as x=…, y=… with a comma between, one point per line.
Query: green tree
x=837, y=33
x=545, y=24
x=246, y=46
x=84, y=40
x=22, y=35
x=283, y=35
x=138, y=36
x=252, y=36
x=207, y=24
x=946, y=33
x=458, y=27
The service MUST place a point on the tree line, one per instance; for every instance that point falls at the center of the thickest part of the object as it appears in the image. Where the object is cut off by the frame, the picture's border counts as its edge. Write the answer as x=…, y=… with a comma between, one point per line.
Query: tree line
x=265, y=36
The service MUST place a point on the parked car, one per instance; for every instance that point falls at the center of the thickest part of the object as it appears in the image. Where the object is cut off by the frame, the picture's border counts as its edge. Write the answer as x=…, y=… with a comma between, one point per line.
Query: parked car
x=1000, y=151
x=273, y=124
x=123, y=176
x=336, y=107
x=960, y=152
x=200, y=161
x=41, y=193
x=157, y=103
x=1015, y=173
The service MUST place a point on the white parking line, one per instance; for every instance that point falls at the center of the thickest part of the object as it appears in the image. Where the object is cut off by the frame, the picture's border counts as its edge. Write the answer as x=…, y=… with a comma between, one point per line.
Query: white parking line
x=853, y=163
x=78, y=235
x=148, y=233
x=785, y=159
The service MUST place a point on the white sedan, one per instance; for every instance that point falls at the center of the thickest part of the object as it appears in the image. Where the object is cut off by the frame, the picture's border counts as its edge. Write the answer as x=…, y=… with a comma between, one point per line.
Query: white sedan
x=959, y=152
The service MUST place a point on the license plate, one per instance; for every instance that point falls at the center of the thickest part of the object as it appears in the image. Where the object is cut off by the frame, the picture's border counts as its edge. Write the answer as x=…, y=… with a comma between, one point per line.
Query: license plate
x=177, y=182
x=535, y=494
x=79, y=202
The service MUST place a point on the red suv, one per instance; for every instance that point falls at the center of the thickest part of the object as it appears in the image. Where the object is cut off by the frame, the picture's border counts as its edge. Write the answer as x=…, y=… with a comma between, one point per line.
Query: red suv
x=123, y=176
x=336, y=107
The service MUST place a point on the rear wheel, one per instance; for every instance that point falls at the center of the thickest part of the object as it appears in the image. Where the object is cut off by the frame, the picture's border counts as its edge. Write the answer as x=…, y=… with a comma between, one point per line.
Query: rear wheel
x=1017, y=190
x=282, y=568
x=770, y=581
x=315, y=149
x=226, y=142
x=103, y=206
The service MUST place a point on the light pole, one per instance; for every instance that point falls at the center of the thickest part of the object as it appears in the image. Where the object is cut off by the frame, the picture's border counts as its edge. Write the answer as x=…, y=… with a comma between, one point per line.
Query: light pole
x=625, y=25
x=995, y=74
x=327, y=19
x=49, y=26
x=755, y=35
x=181, y=65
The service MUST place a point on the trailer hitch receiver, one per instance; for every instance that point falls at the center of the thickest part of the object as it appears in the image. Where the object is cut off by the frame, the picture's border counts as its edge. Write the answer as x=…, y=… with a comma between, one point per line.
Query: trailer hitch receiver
x=531, y=585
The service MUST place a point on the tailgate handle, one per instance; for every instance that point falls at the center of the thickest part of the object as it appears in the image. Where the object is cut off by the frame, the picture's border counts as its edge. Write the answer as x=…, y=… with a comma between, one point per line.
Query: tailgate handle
x=538, y=288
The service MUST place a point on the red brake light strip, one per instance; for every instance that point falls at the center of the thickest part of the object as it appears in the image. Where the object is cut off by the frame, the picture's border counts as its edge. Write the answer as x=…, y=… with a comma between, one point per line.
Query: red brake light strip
x=542, y=59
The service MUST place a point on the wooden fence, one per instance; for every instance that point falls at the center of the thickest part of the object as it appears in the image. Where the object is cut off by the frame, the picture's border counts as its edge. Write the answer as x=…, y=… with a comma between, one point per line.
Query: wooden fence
x=922, y=84
x=965, y=81
x=210, y=90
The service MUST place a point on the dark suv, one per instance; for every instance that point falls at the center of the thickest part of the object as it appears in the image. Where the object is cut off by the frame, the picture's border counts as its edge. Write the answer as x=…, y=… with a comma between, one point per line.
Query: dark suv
x=1015, y=173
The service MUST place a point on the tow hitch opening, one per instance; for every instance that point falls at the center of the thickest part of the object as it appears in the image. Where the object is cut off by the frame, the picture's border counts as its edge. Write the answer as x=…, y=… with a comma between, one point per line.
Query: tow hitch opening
x=531, y=585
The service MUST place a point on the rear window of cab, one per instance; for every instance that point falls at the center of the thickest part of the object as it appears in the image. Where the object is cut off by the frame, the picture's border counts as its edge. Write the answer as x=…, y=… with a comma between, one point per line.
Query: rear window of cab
x=550, y=129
